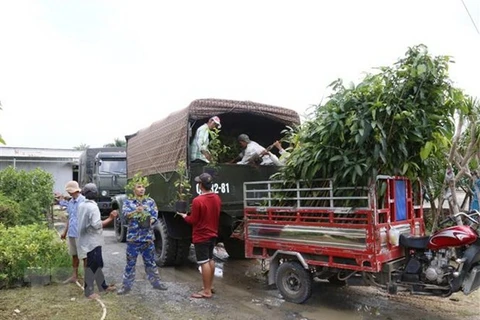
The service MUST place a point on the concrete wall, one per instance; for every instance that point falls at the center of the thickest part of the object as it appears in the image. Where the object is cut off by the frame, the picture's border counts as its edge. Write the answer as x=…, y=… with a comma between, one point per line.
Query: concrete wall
x=62, y=172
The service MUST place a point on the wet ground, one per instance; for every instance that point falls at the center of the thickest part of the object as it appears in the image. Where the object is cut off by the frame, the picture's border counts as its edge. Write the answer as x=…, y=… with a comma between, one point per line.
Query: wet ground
x=242, y=293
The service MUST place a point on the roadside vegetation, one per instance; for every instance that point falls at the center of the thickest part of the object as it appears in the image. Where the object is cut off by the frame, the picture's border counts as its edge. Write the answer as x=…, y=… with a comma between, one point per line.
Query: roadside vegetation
x=30, y=249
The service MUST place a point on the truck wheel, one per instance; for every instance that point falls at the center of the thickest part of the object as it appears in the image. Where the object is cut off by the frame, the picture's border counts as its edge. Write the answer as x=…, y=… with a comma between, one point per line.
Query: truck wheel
x=120, y=230
x=294, y=282
x=165, y=246
x=183, y=251
x=235, y=248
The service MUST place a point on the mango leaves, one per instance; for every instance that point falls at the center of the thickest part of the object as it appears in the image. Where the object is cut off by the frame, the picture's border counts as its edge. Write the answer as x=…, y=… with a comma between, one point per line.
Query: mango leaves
x=397, y=121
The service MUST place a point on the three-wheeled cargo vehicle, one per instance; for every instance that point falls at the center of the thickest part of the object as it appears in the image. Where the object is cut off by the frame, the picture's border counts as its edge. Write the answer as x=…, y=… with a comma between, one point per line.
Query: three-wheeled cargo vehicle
x=318, y=231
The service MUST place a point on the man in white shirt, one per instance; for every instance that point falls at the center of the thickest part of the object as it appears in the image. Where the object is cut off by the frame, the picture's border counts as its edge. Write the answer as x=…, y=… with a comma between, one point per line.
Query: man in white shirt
x=276, y=160
x=251, y=152
x=199, y=147
x=90, y=241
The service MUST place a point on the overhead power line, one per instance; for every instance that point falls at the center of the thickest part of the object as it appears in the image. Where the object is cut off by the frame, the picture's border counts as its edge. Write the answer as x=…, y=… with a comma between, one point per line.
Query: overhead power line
x=471, y=18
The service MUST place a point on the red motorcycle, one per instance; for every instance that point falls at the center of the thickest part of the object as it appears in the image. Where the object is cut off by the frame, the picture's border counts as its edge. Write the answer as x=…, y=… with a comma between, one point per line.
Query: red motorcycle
x=443, y=263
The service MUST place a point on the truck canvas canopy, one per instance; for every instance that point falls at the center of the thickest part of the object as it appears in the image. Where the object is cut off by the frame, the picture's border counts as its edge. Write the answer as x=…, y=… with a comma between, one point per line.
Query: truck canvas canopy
x=159, y=147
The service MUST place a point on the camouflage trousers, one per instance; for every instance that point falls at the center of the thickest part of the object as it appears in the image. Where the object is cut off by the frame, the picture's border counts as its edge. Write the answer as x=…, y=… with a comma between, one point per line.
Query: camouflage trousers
x=147, y=250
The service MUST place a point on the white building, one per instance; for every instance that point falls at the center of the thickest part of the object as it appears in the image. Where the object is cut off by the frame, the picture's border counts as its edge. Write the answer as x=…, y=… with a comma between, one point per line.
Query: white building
x=61, y=163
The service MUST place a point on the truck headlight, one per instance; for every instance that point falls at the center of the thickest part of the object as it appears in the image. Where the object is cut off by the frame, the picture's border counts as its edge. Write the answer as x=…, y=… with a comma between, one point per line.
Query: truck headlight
x=104, y=193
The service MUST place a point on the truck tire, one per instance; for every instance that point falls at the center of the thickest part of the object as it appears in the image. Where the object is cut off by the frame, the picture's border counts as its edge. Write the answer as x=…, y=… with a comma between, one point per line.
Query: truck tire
x=183, y=251
x=120, y=230
x=294, y=282
x=165, y=246
x=235, y=248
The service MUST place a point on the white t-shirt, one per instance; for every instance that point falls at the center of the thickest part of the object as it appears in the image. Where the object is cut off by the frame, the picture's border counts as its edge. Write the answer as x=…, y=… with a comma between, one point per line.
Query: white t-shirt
x=90, y=230
x=252, y=150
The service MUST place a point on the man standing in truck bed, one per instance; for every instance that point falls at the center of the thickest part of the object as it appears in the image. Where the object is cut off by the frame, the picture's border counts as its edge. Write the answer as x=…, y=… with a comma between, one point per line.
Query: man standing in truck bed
x=199, y=146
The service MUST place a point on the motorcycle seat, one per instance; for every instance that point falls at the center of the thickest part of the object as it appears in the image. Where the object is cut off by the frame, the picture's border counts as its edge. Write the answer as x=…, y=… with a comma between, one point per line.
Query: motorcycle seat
x=409, y=241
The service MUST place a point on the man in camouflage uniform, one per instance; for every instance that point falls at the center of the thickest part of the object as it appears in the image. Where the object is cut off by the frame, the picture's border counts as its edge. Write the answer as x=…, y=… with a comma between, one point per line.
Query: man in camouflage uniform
x=139, y=238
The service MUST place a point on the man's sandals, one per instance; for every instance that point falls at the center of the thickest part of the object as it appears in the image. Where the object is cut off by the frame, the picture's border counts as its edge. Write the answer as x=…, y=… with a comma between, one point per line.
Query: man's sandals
x=200, y=295
x=213, y=290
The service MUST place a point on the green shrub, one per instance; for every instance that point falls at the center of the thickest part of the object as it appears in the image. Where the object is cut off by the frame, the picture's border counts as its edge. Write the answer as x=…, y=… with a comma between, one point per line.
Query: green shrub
x=32, y=190
x=24, y=248
x=9, y=211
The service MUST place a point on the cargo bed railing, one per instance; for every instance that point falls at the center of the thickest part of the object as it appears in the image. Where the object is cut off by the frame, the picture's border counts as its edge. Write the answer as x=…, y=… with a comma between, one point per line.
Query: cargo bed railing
x=303, y=194
x=338, y=227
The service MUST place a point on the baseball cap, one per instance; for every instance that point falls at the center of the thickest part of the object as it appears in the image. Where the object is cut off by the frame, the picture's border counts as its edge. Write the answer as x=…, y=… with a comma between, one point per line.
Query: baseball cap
x=244, y=137
x=204, y=179
x=216, y=119
x=72, y=187
x=89, y=187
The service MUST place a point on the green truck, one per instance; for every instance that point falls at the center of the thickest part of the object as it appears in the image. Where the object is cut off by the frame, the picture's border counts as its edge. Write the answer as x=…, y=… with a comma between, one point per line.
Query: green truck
x=106, y=167
x=155, y=152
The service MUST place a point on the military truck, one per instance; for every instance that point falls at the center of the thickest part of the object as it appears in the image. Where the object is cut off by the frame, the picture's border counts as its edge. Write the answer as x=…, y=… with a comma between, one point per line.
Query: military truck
x=155, y=152
x=106, y=167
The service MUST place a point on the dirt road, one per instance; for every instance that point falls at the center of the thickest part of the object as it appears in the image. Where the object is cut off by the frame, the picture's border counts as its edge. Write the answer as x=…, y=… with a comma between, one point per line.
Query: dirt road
x=242, y=293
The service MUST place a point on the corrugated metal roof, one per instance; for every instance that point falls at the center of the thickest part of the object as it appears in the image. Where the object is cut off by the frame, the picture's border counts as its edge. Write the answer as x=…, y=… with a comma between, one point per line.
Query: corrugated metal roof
x=42, y=153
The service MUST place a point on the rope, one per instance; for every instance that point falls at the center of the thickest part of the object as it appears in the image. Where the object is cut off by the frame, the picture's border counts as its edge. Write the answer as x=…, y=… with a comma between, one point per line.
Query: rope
x=104, y=309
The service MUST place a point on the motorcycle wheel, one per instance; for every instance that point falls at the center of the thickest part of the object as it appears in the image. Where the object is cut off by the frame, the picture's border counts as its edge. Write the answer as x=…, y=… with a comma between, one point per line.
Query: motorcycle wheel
x=294, y=282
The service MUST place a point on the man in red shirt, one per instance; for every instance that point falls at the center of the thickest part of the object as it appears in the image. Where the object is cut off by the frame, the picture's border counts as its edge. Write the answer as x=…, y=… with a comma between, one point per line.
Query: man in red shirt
x=204, y=218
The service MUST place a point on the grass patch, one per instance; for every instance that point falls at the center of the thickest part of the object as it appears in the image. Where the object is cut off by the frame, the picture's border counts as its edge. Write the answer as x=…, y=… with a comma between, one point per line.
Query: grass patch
x=67, y=302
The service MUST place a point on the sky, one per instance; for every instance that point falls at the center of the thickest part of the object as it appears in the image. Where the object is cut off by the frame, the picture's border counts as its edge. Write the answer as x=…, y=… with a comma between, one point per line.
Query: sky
x=88, y=71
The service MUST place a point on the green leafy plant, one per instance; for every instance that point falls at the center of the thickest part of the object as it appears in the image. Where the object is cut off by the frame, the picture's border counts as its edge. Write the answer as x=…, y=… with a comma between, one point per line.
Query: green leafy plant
x=182, y=182
x=30, y=247
x=143, y=218
x=233, y=148
x=137, y=179
x=117, y=142
x=32, y=190
x=216, y=148
x=9, y=211
x=396, y=121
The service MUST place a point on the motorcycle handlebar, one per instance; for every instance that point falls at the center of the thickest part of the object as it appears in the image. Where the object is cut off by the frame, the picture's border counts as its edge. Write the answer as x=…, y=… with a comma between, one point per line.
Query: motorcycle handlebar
x=474, y=213
x=468, y=215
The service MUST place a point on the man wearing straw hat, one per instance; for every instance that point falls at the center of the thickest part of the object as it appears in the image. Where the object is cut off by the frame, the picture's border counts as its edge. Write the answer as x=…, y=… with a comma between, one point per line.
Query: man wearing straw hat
x=71, y=229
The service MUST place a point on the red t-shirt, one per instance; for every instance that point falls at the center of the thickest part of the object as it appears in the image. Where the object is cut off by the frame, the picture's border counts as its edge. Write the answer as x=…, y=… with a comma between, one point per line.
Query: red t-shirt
x=204, y=217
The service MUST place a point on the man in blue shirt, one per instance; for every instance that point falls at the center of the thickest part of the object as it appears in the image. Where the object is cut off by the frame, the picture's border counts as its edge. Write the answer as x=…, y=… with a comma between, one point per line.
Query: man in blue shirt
x=71, y=228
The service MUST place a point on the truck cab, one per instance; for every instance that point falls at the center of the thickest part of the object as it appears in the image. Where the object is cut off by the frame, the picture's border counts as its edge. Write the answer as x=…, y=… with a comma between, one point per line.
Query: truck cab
x=110, y=176
x=107, y=168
